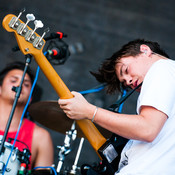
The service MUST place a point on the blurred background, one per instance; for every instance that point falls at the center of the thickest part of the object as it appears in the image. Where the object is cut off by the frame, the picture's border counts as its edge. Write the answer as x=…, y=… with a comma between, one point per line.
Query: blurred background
x=95, y=30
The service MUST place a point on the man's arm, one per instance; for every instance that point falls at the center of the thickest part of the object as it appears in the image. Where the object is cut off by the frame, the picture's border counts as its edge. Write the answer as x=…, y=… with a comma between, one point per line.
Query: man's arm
x=42, y=148
x=145, y=126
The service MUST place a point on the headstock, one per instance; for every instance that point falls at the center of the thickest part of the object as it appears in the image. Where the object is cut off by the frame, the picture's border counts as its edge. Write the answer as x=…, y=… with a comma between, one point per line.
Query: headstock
x=28, y=40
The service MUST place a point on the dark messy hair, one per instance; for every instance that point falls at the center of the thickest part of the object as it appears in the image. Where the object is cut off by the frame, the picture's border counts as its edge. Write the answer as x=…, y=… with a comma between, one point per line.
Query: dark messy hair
x=106, y=73
x=15, y=65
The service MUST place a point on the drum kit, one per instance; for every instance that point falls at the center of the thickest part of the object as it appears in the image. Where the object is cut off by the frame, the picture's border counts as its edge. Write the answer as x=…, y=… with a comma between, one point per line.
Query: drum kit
x=50, y=115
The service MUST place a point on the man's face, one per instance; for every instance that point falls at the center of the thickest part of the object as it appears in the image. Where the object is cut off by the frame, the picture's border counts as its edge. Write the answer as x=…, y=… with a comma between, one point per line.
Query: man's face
x=132, y=70
x=13, y=78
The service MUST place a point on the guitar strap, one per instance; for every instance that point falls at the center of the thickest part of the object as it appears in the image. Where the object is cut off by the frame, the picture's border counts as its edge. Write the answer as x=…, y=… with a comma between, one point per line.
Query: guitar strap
x=114, y=107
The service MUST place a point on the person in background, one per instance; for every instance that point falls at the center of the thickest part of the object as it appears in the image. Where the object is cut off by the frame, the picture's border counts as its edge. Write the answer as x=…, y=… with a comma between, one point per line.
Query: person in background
x=150, y=149
x=31, y=136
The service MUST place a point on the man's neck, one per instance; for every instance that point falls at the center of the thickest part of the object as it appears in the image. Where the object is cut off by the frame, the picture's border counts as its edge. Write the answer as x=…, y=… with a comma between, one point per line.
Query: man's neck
x=5, y=110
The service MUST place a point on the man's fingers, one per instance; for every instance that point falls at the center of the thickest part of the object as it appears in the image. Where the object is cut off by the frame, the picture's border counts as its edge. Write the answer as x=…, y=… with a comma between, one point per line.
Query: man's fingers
x=62, y=101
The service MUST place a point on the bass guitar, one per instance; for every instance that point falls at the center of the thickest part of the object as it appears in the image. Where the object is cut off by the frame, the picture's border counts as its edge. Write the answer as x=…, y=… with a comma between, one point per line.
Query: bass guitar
x=31, y=43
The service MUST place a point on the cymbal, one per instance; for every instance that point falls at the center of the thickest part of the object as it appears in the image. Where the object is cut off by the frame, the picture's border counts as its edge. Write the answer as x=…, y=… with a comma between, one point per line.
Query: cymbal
x=50, y=115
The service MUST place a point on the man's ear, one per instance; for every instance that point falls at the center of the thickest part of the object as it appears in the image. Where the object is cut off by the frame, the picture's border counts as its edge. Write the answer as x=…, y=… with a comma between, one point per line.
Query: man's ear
x=145, y=49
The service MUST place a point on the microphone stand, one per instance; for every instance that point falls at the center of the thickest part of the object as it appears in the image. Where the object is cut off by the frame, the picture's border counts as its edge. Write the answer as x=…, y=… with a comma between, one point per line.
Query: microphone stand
x=74, y=166
x=18, y=92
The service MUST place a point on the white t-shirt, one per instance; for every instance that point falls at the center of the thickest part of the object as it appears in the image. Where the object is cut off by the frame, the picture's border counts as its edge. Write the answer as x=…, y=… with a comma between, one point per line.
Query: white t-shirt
x=157, y=157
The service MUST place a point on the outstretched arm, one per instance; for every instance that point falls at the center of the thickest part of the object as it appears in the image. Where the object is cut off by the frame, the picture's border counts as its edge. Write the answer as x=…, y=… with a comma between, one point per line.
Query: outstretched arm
x=144, y=126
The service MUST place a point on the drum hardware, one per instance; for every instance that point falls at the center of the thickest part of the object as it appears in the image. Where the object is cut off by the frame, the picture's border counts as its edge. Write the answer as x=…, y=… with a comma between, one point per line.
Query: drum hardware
x=65, y=149
x=24, y=159
x=74, y=167
x=13, y=164
x=23, y=156
x=22, y=169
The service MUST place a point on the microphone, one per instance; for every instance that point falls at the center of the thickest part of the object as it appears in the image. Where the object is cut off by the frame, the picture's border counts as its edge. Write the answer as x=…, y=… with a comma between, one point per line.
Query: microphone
x=58, y=55
x=54, y=52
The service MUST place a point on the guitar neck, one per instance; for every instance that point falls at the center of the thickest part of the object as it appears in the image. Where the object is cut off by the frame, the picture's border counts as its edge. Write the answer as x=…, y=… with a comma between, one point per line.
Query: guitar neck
x=88, y=128
x=57, y=83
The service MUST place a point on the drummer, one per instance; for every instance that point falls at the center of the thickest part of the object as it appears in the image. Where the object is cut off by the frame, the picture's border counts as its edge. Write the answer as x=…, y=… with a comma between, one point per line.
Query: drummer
x=37, y=139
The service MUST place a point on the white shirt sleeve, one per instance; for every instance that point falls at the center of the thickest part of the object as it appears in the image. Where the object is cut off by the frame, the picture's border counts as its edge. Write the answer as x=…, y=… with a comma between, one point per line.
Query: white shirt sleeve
x=158, y=88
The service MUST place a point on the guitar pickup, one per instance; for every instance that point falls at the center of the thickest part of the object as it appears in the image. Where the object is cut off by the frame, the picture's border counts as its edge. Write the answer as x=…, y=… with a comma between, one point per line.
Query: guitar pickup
x=110, y=153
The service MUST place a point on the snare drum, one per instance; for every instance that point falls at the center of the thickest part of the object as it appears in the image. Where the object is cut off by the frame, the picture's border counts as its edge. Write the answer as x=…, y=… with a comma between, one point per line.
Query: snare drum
x=13, y=163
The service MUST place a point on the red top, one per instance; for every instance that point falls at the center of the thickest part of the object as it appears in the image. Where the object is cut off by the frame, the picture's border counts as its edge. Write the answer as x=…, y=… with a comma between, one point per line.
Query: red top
x=25, y=135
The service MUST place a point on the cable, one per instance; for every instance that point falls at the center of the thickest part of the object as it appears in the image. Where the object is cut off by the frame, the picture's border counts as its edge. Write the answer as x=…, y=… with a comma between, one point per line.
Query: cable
x=99, y=88
x=52, y=168
x=115, y=106
x=10, y=139
x=121, y=105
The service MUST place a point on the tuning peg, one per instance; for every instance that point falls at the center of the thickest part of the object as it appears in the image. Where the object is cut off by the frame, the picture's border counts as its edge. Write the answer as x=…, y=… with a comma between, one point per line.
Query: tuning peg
x=23, y=10
x=30, y=17
x=20, y=13
x=22, y=28
x=38, y=43
x=38, y=24
x=31, y=35
x=14, y=23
